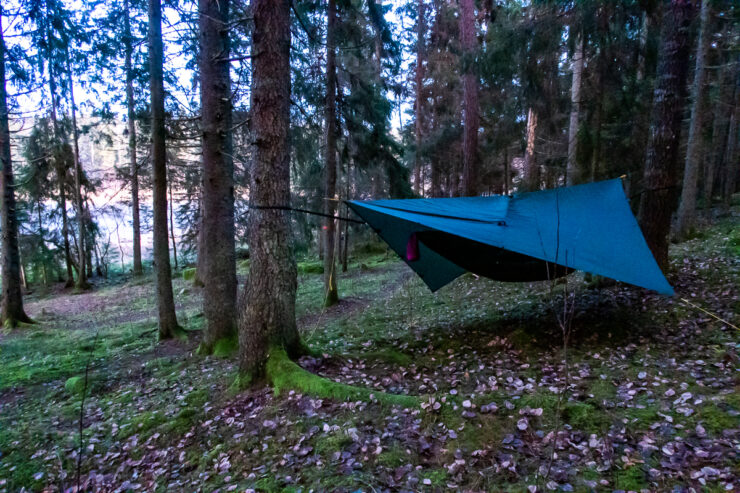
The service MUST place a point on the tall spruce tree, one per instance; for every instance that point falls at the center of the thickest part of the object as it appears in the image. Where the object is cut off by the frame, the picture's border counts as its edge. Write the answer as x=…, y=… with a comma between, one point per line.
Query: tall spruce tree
x=219, y=295
x=167, y=319
x=267, y=311
x=657, y=200
x=11, y=311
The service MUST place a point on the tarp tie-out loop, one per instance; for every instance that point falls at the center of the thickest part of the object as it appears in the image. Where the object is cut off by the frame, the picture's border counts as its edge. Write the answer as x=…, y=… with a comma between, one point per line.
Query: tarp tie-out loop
x=305, y=211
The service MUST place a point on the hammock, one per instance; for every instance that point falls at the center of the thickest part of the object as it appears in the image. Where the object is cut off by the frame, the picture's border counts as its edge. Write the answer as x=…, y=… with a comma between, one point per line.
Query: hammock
x=527, y=237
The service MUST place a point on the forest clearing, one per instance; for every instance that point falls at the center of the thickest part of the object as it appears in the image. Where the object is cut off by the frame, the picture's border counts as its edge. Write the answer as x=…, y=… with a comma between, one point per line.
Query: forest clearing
x=652, y=402
x=369, y=246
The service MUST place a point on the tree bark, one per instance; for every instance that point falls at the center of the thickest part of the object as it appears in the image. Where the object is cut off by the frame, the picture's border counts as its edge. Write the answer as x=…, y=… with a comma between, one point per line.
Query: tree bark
x=659, y=180
x=59, y=152
x=219, y=295
x=418, y=105
x=167, y=319
x=694, y=153
x=575, y=106
x=128, y=46
x=11, y=312
x=330, y=160
x=531, y=177
x=731, y=164
x=172, y=225
x=81, y=253
x=267, y=308
x=471, y=117
x=722, y=112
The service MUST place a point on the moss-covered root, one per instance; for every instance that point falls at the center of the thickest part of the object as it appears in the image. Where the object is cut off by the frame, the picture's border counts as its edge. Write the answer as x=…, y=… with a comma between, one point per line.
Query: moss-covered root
x=178, y=333
x=222, y=348
x=285, y=374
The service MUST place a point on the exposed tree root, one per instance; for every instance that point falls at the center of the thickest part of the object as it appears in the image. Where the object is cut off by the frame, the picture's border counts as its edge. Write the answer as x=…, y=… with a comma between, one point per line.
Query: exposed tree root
x=285, y=374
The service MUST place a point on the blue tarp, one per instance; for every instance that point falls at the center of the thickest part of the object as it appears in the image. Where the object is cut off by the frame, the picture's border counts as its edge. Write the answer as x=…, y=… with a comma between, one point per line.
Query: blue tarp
x=528, y=236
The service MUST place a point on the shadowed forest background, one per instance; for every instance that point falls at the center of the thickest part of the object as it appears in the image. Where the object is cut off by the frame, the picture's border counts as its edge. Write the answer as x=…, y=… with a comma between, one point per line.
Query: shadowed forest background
x=188, y=304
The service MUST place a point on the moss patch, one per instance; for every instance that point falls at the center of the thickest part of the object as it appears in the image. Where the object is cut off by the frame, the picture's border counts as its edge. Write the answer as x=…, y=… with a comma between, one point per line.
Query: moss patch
x=284, y=374
x=188, y=274
x=310, y=267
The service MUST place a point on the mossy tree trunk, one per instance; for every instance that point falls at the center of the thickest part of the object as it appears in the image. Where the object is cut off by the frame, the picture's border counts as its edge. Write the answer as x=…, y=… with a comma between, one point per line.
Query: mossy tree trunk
x=12, y=300
x=267, y=309
x=658, y=198
x=167, y=320
x=219, y=295
x=330, y=161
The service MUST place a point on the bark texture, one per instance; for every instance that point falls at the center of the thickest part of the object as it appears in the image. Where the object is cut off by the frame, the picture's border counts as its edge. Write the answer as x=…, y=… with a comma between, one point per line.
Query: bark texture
x=167, y=320
x=330, y=160
x=531, y=179
x=659, y=181
x=81, y=252
x=418, y=104
x=471, y=117
x=12, y=311
x=575, y=106
x=267, y=304
x=686, y=217
x=219, y=295
x=128, y=47
x=731, y=163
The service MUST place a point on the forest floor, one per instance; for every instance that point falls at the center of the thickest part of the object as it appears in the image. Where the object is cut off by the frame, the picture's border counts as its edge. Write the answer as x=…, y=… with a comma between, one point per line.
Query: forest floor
x=652, y=400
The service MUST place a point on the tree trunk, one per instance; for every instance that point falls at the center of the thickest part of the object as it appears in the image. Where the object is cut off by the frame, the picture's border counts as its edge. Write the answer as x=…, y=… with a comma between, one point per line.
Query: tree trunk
x=471, y=117
x=11, y=312
x=575, y=106
x=172, y=225
x=722, y=112
x=330, y=161
x=267, y=308
x=128, y=46
x=81, y=254
x=418, y=106
x=219, y=295
x=167, y=320
x=731, y=164
x=694, y=153
x=531, y=179
x=59, y=158
x=659, y=181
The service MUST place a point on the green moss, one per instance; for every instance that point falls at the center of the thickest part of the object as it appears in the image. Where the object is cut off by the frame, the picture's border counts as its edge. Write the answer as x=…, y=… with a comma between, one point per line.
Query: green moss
x=189, y=274
x=394, y=456
x=437, y=477
x=222, y=348
x=326, y=446
x=143, y=423
x=243, y=265
x=631, y=479
x=284, y=374
x=716, y=419
x=74, y=385
x=584, y=417
x=310, y=267
x=388, y=355
x=642, y=417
